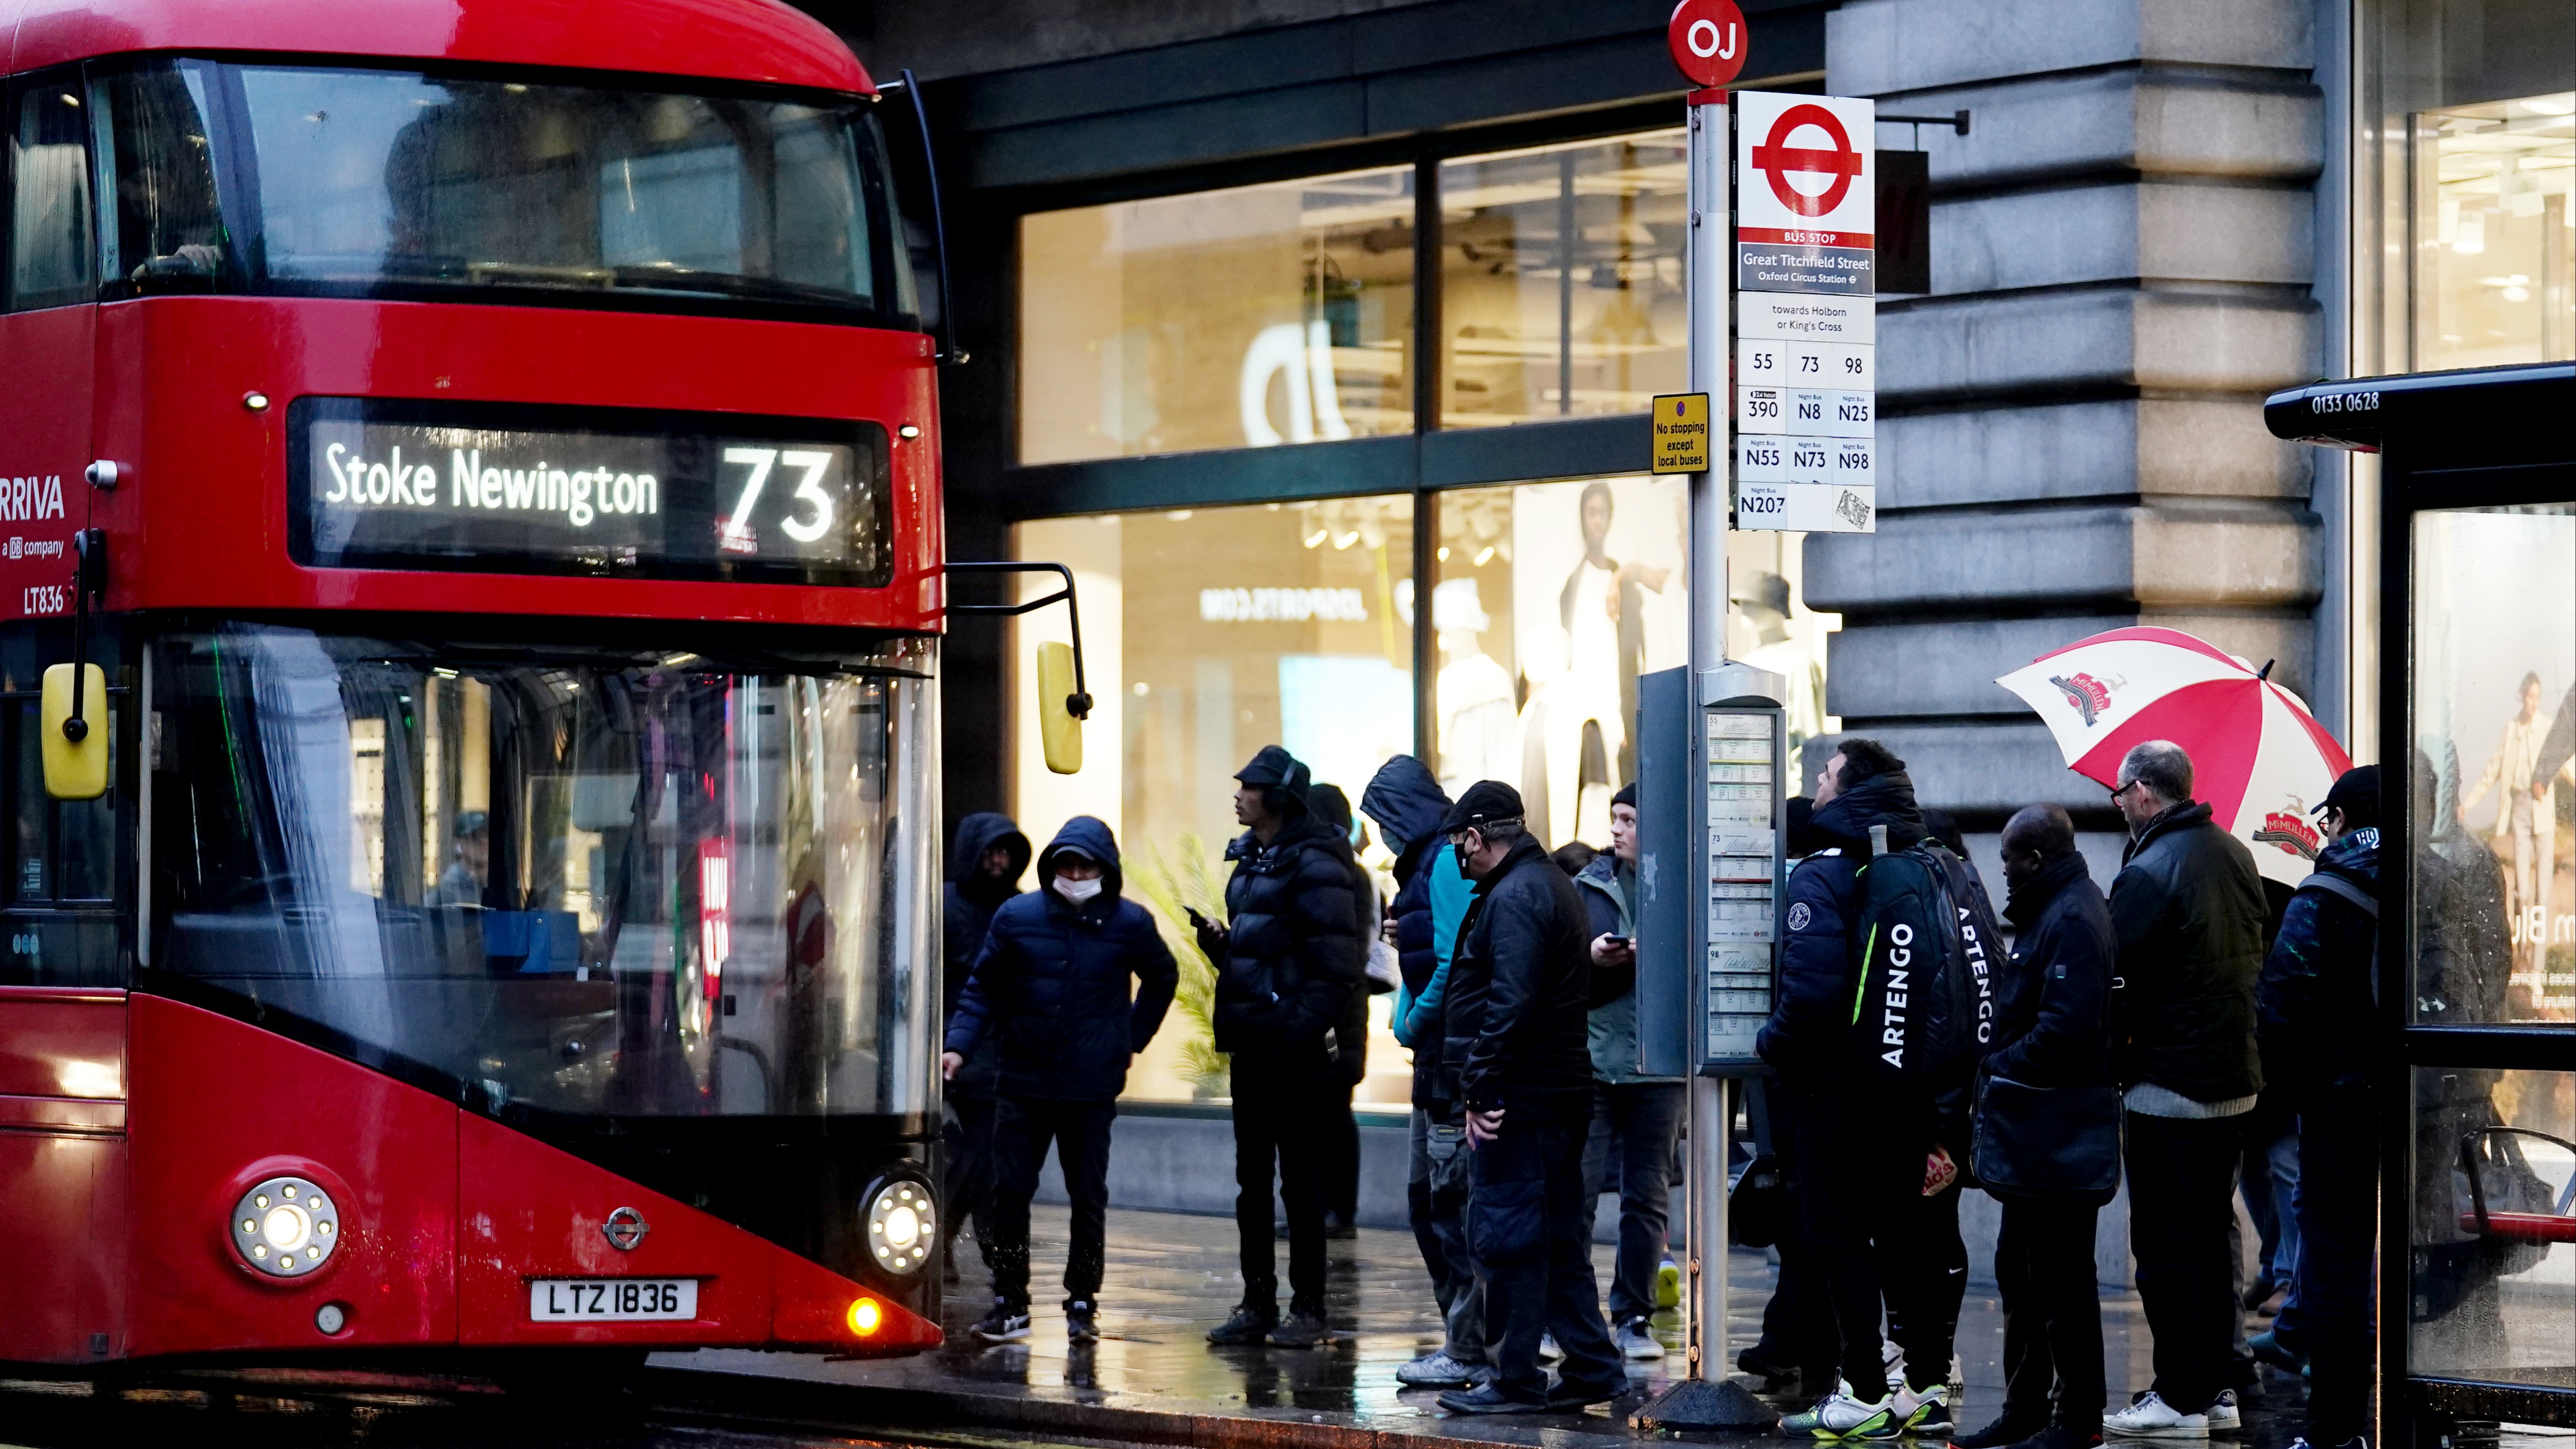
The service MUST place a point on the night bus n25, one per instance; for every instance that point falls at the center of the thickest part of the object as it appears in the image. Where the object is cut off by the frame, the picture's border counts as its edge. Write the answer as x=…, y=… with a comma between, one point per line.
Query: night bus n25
x=470, y=518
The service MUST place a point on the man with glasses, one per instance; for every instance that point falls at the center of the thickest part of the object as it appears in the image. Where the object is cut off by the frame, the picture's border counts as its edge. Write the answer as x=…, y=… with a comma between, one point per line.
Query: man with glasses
x=2187, y=912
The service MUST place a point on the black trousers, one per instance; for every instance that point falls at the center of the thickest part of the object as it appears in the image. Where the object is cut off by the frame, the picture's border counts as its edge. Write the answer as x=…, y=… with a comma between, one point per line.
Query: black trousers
x=2338, y=1234
x=1022, y=1128
x=1869, y=1233
x=2052, y=1313
x=1279, y=1112
x=1531, y=1229
x=2182, y=1204
x=1341, y=1153
x=1634, y=1126
x=968, y=1191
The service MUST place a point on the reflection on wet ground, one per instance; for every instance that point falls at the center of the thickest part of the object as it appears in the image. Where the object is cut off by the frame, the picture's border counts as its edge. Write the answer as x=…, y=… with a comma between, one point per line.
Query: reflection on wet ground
x=1173, y=1276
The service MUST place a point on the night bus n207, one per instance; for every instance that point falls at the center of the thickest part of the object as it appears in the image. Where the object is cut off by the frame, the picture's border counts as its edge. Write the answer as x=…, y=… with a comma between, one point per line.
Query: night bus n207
x=481, y=456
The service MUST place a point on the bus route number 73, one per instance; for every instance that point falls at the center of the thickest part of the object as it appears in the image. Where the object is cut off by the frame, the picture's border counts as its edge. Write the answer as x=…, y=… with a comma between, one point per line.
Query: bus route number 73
x=809, y=512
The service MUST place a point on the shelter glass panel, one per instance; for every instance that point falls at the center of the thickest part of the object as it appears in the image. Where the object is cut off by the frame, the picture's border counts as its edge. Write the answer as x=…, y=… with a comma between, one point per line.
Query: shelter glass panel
x=1561, y=280
x=1248, y=317
x=2493, y=767
x=1210, y=633
x=2465, y=218
x=2493, y=1264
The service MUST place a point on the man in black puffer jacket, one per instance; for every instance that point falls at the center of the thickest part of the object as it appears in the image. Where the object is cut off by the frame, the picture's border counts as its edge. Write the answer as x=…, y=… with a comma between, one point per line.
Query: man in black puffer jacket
x=2052, y=1030
x=2319, y=1017
x=1857, y=1157
x=2188, y=912
x=1048, y=1002
x=985, y=862
x=1289, y=962
x=1518, y=1057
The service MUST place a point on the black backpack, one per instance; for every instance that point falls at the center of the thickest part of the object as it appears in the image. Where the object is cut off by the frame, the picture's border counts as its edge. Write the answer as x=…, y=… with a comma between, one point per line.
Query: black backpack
x=1923, y=1013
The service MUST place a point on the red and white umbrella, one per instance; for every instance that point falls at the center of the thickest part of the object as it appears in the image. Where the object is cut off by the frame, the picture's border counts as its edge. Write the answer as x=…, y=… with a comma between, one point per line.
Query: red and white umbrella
x=2260, y=761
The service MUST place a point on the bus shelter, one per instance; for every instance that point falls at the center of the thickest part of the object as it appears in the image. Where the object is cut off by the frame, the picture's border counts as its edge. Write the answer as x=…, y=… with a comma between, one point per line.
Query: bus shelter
x=2476, y=984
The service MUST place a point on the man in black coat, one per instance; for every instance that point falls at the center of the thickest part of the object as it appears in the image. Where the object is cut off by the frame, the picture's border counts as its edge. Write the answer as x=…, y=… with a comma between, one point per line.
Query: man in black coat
x=2318, y=1019
x=1520, y=984
x=1048, y=1004
x=2187, y=910
x=1288, y=963
x=2052, y=1030
x=985, y=861
x=1857, y=1158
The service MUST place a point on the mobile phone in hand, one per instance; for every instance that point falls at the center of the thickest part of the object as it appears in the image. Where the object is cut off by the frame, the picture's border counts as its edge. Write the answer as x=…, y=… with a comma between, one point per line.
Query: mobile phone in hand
x=1622, y=940
x=1195, y=918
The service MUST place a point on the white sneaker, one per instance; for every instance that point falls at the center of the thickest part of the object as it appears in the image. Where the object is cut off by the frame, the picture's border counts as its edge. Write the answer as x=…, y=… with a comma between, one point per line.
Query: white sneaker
x=1635, y=1340
x=1841, y=1415
x=1548, y=1352
x=1892, y=1358
x=2223, y=1414
x=2150, y=1417
x=1925, y=1413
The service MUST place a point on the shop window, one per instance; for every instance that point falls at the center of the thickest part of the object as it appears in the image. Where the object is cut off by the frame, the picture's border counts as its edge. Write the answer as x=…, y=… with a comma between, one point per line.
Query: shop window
x=1209, y=633
x=1253, y=316
x=49, y=230
x=1561, y=280
x=2495, y=1162
x=2494, y=766
x=2464, y=184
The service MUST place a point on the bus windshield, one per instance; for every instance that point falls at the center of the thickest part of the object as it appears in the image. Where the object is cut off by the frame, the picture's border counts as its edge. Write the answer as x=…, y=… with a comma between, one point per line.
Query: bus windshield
x=584, y=881
x=347, y=181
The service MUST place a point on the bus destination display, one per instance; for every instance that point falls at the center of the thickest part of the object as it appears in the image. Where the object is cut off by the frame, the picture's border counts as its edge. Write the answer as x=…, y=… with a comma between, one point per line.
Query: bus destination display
x=390, y=484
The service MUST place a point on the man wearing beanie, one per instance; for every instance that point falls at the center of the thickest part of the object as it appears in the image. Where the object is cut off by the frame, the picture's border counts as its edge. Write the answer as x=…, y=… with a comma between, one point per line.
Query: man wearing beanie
x=2316, y=1019
x=1520, y=985
x=1288, y=961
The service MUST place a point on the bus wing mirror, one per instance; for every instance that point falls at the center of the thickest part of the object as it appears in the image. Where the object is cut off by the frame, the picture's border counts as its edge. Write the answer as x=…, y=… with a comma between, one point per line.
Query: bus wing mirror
x=1064, y=697
x=75, y=750
x=1059, y=728
x=945, y=328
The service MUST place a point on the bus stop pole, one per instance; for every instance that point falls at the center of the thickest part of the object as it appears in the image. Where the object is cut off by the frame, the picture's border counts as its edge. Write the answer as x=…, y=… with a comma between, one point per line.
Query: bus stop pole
x=1710, y=255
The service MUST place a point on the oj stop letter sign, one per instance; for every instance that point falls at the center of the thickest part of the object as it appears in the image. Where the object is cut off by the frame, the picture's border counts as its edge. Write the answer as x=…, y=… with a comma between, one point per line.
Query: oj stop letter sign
x=1708, y=41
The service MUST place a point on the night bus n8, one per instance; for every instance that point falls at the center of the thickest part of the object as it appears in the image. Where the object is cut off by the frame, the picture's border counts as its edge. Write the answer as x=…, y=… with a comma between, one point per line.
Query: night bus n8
x=486, y=451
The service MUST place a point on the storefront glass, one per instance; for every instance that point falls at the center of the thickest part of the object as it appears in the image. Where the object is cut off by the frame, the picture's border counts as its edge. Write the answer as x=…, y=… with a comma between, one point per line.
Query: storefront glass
x=1561, y=280
x=2495, y=1168
x=2494, y=765
x=2465, y=218
x=1257, y=315
x=1210, y=633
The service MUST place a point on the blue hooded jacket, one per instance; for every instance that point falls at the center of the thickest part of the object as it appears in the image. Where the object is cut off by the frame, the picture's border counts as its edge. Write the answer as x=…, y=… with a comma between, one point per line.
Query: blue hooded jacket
x=967, y=903
x=1431, y=900
x=1049, y=997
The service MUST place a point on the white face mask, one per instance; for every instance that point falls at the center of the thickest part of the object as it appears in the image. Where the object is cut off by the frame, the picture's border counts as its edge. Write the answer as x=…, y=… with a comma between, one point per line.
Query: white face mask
x=1077, y=891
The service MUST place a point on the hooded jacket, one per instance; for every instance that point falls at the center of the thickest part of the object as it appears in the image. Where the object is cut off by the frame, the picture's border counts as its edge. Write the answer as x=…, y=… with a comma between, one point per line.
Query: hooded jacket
x=967, y=903
x=1049, y=997
x=1809, y=1035
x=1431, y=899
x=2314, y=998
x=2052, y=1006
x=1520, y=984
x=1294, y=944
x=1608, y=889
x=2187, y=911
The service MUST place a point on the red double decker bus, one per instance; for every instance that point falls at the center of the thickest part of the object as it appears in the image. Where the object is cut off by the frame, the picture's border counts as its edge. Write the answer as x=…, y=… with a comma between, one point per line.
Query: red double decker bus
x=482, y=454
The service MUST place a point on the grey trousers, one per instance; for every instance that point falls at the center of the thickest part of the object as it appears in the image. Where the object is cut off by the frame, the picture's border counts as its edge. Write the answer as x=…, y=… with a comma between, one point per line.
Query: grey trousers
x=1436, y=1193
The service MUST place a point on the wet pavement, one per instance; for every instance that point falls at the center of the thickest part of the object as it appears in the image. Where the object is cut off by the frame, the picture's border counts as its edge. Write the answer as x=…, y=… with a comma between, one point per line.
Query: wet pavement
x=1172, y=1276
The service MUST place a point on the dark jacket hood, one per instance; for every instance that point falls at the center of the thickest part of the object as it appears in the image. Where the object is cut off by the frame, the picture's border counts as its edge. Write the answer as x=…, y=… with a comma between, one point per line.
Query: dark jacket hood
x=1407, y=803
x=976, y=834
x=1887, y=800
x=2029, y=899
x=1092, y=837
x=2355, y=856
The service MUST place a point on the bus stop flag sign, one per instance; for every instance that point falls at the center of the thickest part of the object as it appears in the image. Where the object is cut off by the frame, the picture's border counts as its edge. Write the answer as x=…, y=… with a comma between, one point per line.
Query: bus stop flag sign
x=1708, y=41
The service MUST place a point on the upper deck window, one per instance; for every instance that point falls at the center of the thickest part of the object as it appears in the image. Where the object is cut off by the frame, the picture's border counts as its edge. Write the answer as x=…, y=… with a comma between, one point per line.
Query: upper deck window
x=49, y=252
x=330, y=181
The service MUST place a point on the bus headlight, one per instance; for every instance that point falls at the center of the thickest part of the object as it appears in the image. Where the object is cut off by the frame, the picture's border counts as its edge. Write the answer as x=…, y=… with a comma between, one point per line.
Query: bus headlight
x=286, y=1227
x=903, y=1226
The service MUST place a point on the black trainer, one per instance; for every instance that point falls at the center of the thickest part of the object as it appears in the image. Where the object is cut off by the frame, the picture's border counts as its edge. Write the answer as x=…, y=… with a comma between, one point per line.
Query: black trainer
x=1567, y=1396
x=2007, y=1429
x=1081, y=1321
x=1007, y=1323
x=1488, y=1398
x=1250, y=1324
x=1304, y=1327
